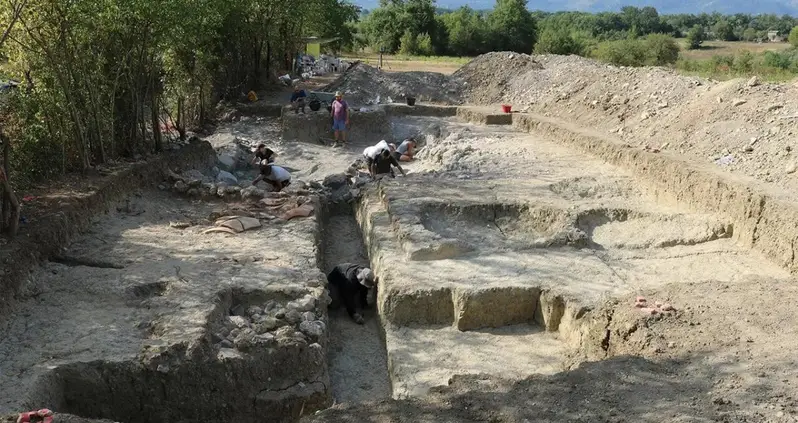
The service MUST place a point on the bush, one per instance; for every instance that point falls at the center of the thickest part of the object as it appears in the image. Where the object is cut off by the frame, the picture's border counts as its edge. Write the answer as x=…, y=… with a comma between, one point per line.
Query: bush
x=777, y=60
x=623, y=52
x=656, y=49
x=662, y=50
x=794, y=37
x=558, y=41
x=408, y=44
x=743, y=62
x=424, y=45
x=695, y=37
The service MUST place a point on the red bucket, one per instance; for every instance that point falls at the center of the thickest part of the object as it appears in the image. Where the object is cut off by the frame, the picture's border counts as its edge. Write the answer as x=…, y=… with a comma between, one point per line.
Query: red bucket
x=506, y=108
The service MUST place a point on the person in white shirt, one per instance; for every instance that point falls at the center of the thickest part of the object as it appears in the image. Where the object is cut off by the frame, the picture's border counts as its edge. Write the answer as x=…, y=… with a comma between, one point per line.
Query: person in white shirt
x=371, y=153
x=275, y=175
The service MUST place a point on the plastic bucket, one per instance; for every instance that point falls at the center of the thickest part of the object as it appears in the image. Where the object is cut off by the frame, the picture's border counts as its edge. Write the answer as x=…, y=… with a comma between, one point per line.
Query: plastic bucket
x=506, y=108
x=411, y=101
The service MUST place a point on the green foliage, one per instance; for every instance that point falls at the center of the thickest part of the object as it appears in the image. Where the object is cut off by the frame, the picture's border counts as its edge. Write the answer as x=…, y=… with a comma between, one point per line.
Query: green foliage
x=103, y=76
x=695, y=37
x=749, y=34
x=777, y=60
x=407, y=44
x=769, y=65
x=656, y=49
x=724, y=31
x=662, y=50
x=743, y=62
x=794, y=37
x=627, y=52
x=558, y=41
x=424, y=45
x=512, y=26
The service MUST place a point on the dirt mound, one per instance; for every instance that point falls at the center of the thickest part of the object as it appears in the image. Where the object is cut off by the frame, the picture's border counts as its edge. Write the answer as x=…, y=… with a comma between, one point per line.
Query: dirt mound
x=487, y=78
x=742, y=126
x=364, y=84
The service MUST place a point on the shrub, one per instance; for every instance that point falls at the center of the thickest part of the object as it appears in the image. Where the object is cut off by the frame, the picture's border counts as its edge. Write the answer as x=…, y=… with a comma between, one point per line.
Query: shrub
x=743, y=62
x=695, y=37
x=558, y=41
x=424, y=45
x=777, y=60
x=408, y=43
x=662, y=49
x=794, y=37
x=622, y=52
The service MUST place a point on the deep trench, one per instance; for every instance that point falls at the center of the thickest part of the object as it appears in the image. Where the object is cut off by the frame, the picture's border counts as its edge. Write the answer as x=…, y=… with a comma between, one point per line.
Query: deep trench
x=357, y=356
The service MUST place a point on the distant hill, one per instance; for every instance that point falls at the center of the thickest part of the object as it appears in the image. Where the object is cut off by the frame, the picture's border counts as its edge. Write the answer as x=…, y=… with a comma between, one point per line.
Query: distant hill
x=779, y=7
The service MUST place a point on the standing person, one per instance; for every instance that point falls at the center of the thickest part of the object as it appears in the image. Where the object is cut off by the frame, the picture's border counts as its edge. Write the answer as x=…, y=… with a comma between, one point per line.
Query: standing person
x=382, y=164
x=263, y=153
x=340, y=115
x=351, y=283
x=406, y=150
x=276, y=176
x=298, y=100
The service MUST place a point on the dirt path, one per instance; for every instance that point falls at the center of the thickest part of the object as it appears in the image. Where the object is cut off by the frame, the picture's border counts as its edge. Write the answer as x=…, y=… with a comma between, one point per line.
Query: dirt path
x=358, y=363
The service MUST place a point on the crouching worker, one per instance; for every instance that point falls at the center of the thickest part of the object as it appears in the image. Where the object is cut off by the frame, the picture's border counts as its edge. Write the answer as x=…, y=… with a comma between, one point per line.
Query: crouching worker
x=263, y=153
x=276, y=176
x=382, y=164
x=351, y=283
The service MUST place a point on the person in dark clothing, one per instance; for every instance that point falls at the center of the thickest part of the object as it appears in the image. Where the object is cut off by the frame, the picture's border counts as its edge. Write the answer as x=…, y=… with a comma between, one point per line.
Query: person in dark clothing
x=383, y=162
x=262, y=153
x=352, y=283
x=298, y=100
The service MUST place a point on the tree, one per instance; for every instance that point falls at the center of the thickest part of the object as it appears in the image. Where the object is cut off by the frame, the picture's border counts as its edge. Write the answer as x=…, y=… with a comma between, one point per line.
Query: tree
x=408, y=43
x=512, y=26
x=557, y=41
x=466, y=32
x=662, y=49
x=724, y=31
x=749, y=34
x=695, y=37
x=794, y=37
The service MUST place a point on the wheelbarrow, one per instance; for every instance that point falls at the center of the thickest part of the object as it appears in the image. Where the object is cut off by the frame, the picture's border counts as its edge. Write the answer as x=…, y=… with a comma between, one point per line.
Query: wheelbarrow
x=317, y=98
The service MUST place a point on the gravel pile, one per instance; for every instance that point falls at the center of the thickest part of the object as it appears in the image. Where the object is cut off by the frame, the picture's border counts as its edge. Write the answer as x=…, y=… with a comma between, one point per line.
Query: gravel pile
x=489, y=78
x=363, y=84
x=743, y=126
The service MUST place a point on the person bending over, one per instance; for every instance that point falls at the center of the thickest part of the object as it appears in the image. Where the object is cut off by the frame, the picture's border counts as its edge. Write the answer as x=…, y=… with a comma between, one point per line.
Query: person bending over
x=262, y=153
x=382, y=164
x=276, y=176
x=371, y=153
x=352, y=283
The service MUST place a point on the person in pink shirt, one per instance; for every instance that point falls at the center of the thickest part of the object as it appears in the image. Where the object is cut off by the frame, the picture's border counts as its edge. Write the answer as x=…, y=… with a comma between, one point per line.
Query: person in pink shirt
x=340, y=114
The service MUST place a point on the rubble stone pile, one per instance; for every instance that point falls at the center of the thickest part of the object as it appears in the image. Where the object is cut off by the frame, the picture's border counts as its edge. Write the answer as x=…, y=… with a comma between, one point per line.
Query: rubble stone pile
x=364, y=85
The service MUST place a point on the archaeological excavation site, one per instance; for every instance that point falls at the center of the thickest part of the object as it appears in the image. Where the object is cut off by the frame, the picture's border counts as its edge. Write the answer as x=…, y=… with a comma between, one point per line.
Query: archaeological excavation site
x=620, y=247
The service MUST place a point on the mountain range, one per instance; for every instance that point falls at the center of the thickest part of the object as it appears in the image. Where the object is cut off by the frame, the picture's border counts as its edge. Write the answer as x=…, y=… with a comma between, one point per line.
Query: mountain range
x=664, y=7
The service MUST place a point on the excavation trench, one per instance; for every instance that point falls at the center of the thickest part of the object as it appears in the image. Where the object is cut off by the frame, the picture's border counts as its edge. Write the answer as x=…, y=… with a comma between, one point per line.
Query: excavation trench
x=356, y=353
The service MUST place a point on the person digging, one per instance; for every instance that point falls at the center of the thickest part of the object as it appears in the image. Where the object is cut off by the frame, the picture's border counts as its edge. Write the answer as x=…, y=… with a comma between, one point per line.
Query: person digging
x=263, y=153
x=406, y=150
x=276, y=176
x=340, y=115
x=351, y=283
x=382, y=165
x=370, y=154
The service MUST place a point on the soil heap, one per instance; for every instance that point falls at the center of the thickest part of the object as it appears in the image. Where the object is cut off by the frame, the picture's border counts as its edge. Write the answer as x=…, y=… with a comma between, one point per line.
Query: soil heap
x=363, y=84
x=743, y=126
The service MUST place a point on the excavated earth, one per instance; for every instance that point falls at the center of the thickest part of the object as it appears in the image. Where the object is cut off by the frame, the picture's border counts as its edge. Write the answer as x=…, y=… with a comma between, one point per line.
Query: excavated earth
x=510, y=263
